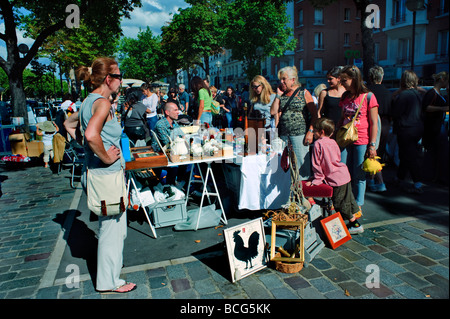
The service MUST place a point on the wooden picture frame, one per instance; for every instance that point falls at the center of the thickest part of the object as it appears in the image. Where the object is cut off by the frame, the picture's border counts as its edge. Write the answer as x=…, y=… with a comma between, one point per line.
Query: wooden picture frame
x=301, y=225
x=336, y=230
x=246, y=248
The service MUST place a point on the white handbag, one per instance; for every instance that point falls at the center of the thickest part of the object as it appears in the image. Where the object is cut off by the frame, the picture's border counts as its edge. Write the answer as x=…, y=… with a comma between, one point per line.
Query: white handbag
x=106, y=194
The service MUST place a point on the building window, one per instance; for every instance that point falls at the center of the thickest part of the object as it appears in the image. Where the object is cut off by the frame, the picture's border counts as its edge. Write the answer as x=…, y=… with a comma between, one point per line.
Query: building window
x=300, y=18
x=346, y=39
x=376, y=52
x=443, y=7
x=403, y=51
x=300, y=65
x=300, y=42
x=318, y=40
x=442, y=44
x=318, y=16
x=318, y=65
x=347, y=14
x=398, y=12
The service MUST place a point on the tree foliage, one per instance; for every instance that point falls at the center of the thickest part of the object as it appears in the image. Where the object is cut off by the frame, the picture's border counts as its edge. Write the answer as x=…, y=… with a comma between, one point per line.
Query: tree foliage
x=257, y=29
x=194, y=33
x=41, y=19
x=142, y=58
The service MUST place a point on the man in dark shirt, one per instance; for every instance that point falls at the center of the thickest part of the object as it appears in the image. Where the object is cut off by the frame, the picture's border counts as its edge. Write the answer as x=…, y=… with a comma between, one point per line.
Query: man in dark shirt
x=384, y=98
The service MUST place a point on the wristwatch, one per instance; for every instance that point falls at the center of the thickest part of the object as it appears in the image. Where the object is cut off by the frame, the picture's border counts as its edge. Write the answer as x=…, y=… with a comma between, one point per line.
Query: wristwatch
x=372, y=144
x=310, y=130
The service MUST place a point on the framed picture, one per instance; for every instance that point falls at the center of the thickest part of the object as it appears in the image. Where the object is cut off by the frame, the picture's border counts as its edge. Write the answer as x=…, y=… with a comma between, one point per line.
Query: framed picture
x=301, y=227
x=246, y=248
x=336, y=230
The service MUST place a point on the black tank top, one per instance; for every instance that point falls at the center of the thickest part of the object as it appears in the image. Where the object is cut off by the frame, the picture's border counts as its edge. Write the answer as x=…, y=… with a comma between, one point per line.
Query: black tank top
x=331, y=109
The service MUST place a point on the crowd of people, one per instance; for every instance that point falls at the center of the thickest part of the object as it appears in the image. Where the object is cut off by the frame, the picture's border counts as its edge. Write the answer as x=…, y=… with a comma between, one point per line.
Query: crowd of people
x=308, y=122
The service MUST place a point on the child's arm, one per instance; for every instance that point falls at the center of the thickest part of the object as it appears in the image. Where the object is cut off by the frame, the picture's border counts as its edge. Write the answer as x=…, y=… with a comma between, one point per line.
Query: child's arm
x=57, y=128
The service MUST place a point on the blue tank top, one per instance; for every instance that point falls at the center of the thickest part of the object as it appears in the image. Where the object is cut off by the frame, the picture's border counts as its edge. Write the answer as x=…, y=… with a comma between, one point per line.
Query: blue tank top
x=110, y=135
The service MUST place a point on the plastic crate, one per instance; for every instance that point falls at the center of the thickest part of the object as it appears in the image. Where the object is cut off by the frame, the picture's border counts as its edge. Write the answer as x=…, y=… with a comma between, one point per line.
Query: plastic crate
x=169, y=213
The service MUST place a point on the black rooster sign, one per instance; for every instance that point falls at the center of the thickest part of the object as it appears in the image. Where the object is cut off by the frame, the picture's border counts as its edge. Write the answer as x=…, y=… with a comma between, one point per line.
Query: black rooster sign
x=246, y=254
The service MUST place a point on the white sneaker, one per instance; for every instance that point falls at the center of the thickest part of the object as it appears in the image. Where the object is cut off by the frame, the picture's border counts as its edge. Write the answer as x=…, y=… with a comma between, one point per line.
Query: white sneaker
x=356, y=230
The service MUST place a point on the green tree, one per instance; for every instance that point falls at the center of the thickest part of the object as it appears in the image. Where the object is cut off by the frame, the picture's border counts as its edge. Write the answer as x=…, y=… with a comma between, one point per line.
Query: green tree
x=44, y=18
x=71, y=48
x=255, y=30
x=194, y=33
x=142, y=58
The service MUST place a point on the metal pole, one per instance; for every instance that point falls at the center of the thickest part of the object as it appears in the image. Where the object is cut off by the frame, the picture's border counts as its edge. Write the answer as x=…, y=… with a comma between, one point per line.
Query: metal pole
x=413, y=40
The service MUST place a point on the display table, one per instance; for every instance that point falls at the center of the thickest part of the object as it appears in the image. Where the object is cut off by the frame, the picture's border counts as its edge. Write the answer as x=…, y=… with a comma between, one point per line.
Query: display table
x=260, y=183
x=151, y=163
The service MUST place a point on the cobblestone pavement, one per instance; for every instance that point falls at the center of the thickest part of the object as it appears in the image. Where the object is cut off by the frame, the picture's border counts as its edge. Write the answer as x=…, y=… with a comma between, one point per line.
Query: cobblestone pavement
x=410, y=257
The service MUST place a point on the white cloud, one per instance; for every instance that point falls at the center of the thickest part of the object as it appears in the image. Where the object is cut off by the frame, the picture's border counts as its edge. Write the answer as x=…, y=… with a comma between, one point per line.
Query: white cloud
x=153, y=13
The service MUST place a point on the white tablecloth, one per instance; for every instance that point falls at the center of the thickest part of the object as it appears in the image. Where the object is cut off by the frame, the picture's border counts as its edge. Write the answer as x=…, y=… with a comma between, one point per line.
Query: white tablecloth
x=264, y=184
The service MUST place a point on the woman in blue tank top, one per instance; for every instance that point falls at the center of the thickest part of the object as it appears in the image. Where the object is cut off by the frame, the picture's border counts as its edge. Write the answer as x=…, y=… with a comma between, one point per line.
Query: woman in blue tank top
x=102, y=134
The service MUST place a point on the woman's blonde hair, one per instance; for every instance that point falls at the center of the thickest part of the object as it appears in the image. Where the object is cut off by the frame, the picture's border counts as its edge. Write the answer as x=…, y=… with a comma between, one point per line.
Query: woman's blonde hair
x=291, y=72
x=264, y=97
x=95, y=74
x=440, y=76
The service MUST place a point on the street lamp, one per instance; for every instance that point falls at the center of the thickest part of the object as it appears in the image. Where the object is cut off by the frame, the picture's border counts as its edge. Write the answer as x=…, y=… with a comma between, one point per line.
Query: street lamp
x=414, y=6
x=218, y=65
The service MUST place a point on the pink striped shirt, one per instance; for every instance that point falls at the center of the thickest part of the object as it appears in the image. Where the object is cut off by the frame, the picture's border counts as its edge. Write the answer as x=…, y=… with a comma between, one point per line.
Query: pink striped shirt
x=326, y=164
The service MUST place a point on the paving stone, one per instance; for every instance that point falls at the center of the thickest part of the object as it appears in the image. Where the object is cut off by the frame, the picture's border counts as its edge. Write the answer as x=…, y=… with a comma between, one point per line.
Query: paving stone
x=320, y=264
x=158, y=282
x=441, y=270
x=416, y=269
x=323, y=285
x=437, y=232
x=422, y=260
x=409, y=292
x=396, y=257
x=382, y=291
x=438, y=280
x=161, y=293
x=432, y=237
x=271, y=281
x=205, y=286
x=310, y=293
x=179, y=285
x=175, y=272
x=254, y=288
x=296, y=282
x=156, y=272
x=48, y=293
x=340, y=262
x=391, y=267
x=413, y=280
x=354, y=289
x=350, y=255
x=310, y=272
x=336, y=275
x=283, y=293
x=378, y=249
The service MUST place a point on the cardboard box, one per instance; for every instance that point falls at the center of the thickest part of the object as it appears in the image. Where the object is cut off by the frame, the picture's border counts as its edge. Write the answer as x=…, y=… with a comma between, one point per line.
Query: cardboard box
x=19, y=143
x=35, y=148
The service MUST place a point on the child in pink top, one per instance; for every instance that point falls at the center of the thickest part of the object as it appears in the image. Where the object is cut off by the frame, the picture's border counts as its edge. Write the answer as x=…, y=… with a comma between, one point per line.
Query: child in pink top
x=328, y=168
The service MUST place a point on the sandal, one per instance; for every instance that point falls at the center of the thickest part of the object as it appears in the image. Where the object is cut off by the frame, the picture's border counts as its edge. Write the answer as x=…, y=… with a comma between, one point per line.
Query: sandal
x=127, y=287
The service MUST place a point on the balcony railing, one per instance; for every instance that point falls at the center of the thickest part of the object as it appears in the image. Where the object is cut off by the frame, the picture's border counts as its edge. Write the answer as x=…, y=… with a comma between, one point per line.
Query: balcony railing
x=398, y=19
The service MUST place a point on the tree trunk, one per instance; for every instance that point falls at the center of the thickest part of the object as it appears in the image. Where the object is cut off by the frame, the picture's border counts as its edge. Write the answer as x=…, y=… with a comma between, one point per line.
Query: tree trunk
x=367, y=40
x=18, y=99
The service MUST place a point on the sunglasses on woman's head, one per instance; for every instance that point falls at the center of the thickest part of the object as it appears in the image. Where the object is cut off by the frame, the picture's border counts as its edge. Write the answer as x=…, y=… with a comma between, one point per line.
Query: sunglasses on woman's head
x=254, y=87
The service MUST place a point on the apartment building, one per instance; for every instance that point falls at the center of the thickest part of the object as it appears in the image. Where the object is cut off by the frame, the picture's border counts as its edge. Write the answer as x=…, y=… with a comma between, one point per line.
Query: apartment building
x=393, y=41
x=326, y=37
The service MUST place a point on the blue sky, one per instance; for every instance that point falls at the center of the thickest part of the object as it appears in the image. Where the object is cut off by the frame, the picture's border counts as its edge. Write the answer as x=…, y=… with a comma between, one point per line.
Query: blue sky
x=153, y=13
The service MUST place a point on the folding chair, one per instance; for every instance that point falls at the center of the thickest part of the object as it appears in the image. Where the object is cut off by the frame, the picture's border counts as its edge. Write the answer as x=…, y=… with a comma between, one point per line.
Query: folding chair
x=75, y=154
